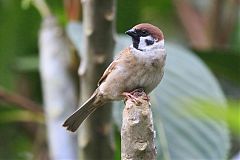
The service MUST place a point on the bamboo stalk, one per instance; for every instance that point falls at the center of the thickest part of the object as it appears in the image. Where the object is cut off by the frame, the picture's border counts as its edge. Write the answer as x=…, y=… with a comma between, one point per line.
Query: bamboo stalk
x=96, y=133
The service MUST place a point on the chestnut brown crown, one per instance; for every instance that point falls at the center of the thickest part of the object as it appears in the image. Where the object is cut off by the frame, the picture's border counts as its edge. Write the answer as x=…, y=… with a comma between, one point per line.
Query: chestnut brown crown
x=154, y=31
x=145, y=36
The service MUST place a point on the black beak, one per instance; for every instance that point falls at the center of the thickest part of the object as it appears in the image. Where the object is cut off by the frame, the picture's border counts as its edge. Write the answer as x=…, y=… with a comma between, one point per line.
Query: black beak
x=132, y=33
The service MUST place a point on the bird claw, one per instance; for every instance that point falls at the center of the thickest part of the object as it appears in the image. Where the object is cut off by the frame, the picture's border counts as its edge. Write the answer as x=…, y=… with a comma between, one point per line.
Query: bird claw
x=135, y=94
x=132, y=98
x=140, y=92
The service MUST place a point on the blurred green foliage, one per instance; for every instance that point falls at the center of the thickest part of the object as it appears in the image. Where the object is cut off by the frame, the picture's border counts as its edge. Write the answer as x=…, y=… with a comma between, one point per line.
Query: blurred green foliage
x=19, y=55
x=15, y=144
x=18, y=37
x=223, y=63
x=155, y=12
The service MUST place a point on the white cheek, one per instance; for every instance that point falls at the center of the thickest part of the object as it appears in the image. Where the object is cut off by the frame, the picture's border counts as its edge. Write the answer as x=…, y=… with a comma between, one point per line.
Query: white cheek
x=142, y=44
x=157, y=46
x=161, y=44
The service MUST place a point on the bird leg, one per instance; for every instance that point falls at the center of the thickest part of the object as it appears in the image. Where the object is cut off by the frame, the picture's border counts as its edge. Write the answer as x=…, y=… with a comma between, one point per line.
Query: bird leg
x=135, y=94
x=140, y=92
x=131, y=97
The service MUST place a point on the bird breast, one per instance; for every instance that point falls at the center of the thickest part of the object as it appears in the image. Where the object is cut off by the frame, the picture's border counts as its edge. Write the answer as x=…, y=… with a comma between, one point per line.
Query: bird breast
x=137, y=70
x=150, y=70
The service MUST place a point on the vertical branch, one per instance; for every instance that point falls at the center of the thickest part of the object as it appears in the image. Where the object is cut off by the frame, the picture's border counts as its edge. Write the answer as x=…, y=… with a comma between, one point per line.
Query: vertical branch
x=137, y=133
x=59, y=91
x=96, y=136
x=194, y=24
x=215, y=22
x=205, y=32
x=224, y=12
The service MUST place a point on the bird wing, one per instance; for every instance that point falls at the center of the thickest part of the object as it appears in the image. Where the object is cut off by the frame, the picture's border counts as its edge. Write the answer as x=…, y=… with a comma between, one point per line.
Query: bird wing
x=110, y=68
x=113, y=65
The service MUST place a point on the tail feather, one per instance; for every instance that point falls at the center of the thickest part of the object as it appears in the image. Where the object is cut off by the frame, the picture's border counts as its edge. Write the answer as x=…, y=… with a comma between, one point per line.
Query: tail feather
x=76, y=119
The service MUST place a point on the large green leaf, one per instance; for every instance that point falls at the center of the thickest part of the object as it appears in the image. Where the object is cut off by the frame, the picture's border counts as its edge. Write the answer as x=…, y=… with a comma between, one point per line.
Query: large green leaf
x=186, y=83
x=181, y=135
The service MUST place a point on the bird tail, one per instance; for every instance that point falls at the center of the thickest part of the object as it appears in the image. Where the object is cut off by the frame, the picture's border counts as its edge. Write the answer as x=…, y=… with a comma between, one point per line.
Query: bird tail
x=76, y=119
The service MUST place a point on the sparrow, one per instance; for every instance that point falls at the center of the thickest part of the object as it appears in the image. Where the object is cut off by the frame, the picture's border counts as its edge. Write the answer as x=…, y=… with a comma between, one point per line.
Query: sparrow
x=139, y=66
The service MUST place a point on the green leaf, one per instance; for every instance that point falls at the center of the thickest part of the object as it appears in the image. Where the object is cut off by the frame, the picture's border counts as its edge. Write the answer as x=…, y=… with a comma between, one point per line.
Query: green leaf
x=180, y=134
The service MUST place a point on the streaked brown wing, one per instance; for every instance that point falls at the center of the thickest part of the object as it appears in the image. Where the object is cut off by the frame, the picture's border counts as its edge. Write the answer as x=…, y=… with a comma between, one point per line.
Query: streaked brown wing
x=124, y=54
x=110, y=68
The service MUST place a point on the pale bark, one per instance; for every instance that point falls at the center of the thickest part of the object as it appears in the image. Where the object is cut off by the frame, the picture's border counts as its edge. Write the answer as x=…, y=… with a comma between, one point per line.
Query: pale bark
x=96, y=133
x=59, y=91
x=137, y=133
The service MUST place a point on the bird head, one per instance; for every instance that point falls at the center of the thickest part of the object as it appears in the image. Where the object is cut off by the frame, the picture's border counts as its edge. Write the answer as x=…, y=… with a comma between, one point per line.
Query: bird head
x=146, y=36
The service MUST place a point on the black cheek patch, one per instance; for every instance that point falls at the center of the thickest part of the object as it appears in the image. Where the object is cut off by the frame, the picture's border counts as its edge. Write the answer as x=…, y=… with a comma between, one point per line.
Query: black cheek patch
x=149, y=42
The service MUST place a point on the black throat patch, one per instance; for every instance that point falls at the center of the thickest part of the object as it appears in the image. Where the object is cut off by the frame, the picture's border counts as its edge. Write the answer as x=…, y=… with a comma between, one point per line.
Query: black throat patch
x=136, y=41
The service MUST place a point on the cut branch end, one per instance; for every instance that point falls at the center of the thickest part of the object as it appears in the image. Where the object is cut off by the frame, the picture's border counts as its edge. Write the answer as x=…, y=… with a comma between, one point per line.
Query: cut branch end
x=137, y=133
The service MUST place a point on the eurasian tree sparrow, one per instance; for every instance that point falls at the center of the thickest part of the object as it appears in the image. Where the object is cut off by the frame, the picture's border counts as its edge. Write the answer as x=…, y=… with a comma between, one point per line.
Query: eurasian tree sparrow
x=141, y=65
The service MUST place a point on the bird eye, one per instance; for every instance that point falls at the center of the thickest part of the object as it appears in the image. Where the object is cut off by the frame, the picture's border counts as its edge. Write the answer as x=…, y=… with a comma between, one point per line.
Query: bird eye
x=144, y=33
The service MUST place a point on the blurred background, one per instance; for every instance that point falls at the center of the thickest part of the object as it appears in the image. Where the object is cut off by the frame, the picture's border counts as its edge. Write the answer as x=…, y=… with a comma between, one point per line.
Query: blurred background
x=202, y=71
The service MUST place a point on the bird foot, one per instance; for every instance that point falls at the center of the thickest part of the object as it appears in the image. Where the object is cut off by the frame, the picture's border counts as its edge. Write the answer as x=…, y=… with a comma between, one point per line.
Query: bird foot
x=132, y=98
x=140, y=92
x=135, y=94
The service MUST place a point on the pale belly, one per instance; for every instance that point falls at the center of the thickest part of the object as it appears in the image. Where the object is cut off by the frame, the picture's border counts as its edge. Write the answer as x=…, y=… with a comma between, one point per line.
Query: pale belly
x=147, y=79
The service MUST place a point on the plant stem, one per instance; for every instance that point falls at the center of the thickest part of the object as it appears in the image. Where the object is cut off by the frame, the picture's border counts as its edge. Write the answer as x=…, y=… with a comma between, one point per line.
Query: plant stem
x=20, y=101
